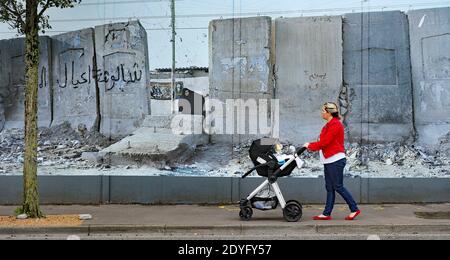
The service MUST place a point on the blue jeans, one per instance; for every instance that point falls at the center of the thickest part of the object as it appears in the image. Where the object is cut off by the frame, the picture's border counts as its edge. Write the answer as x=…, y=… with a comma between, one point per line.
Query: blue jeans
x=334, y=180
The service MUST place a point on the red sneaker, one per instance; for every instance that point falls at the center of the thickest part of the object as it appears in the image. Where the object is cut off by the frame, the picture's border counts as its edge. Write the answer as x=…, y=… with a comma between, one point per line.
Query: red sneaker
x=322, y=218
x=352, y=218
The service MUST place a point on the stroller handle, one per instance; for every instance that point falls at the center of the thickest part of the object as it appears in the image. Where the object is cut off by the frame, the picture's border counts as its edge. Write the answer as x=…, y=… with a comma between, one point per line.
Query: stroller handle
x=300, y=151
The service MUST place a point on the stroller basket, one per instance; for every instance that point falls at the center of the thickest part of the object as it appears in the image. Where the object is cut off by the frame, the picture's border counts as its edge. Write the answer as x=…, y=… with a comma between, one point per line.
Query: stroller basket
x=265, y=199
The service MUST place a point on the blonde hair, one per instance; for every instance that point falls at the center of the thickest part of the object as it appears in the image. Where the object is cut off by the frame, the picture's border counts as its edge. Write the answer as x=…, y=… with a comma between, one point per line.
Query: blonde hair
x=331, y=108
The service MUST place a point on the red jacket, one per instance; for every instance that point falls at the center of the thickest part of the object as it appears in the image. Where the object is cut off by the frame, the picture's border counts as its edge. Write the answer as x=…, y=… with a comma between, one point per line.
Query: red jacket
x=331, y=140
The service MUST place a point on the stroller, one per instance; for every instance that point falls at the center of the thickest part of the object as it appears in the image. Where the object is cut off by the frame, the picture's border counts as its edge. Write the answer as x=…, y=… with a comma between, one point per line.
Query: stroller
x=268, y=195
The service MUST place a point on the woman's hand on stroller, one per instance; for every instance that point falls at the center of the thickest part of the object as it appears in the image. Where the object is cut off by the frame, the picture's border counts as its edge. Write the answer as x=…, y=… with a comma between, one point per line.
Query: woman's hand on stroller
x=306, y=145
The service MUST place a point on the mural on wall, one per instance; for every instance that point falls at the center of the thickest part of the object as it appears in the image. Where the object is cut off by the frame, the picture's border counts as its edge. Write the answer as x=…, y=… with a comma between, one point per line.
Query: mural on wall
x=122, y=63
x=430, y=38
x=436, y=63
x=89, y=76
x=163, y=90
x=2, y=94
x=74, y=87
x=308, y=72
x=75, y=76
x=377, y=77
x=17, y=83
x=118, y=76
x=12, y=86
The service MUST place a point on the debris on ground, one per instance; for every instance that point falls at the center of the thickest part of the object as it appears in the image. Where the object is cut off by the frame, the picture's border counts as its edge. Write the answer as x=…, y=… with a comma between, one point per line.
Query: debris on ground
x=85, y=216
x=390, y=160
x=444, y=145
x=59, y=146
x=63, y=149
x=22, y=216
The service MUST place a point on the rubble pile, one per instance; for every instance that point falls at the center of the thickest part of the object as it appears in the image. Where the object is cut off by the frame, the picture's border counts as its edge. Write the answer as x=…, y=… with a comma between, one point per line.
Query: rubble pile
x=59, y=146
x=395, y=154
x=444, y=145
x=62, y=147
x=369, y=160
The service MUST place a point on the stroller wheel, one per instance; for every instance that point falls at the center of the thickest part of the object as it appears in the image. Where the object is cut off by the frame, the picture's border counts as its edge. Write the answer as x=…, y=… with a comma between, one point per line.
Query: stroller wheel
x=293, y=211
x=246, y=213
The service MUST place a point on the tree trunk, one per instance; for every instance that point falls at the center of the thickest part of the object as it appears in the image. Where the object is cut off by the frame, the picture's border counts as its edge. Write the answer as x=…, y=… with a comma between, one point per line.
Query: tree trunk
x=30, y=184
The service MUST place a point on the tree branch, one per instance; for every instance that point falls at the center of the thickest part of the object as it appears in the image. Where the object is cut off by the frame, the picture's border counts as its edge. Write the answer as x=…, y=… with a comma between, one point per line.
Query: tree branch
x=13, y=14
x=44, y=8
x=11, y=11
x=18, y=14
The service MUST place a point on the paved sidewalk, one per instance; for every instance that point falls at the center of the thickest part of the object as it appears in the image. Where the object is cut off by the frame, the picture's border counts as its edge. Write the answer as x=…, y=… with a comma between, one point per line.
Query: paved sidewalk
x=224, y=220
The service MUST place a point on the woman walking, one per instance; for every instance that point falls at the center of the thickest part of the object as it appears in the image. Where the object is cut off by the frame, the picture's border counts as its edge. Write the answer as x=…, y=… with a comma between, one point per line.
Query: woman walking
x=332, y=155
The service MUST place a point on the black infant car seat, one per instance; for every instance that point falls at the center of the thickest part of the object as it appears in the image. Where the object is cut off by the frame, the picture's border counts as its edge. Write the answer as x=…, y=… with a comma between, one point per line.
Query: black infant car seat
x=264, y=149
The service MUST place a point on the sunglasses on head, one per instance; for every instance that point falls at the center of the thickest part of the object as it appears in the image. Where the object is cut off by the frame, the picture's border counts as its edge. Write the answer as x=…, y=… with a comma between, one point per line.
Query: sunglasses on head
x=329, y=107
